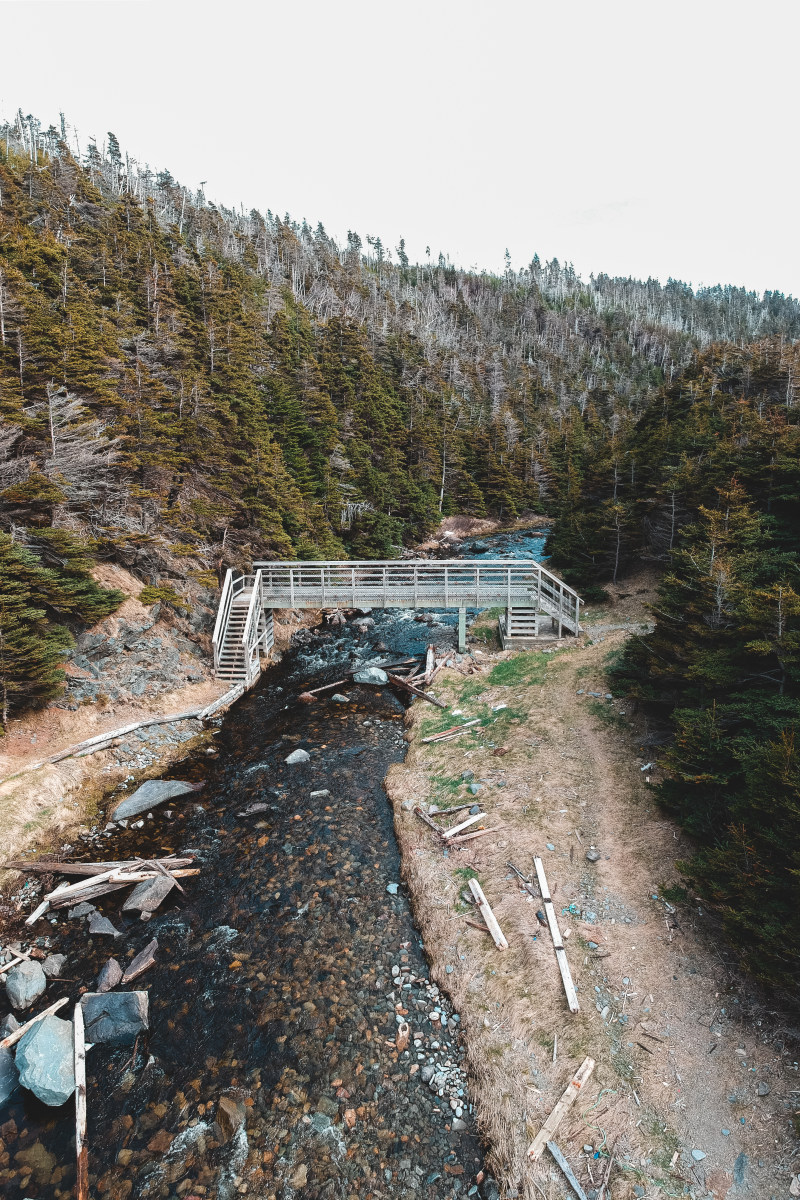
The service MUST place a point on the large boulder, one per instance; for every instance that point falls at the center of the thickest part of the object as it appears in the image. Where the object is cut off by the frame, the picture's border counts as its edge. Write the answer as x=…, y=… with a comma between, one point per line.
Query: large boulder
x=372, y=675
x=115, y=1017
x=150, y=794
x=9, y=1075
x=45, y=1060
x=25, y=984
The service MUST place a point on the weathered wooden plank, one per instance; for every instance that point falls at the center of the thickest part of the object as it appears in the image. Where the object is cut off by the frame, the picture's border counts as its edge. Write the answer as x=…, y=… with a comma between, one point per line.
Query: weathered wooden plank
x=450, y=833
x=547, y=1132
x=555, y=933
x=81, y=1148
x=567, y=1169
x=488, y=916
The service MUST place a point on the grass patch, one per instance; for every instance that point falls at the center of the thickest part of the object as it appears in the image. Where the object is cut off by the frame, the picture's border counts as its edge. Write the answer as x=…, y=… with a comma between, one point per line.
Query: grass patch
x=606, y=714
x=484, y=628
x=526, y=668
x=465, y=873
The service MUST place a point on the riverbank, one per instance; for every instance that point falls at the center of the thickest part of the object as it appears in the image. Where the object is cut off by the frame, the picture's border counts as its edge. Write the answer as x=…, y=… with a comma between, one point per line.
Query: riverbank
x=143, y=662
x=693, y=1088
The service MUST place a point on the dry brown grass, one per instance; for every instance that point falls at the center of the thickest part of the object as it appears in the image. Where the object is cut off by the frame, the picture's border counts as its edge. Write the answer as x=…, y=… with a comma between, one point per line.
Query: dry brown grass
x=565, y=770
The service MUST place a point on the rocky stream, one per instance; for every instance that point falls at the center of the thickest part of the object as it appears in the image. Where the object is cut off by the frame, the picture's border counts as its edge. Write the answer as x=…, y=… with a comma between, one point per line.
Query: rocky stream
x=277, y=1060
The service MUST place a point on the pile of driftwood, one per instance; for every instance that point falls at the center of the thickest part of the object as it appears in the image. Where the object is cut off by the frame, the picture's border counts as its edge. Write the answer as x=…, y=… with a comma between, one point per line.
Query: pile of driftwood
x=153, y=880
x=455, y=835
x=410, y=674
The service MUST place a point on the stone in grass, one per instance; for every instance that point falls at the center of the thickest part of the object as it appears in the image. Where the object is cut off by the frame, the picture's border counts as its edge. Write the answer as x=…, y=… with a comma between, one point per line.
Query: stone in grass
x=338, y=698
x=53, y=965
x=297, y=756
x=102, y=925
x=151, y=793
x=698, y=1155
x=592, y=855
x=372, y=675
x=763, y=1089
x=115, y=1017
x=392, y=888
x=45, y=1060
x=25, y=984
x=9, y=1075
x=109, y=976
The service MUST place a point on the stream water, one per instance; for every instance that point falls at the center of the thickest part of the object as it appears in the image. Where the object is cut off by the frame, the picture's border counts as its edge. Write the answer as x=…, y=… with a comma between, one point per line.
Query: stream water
x=271, y=1066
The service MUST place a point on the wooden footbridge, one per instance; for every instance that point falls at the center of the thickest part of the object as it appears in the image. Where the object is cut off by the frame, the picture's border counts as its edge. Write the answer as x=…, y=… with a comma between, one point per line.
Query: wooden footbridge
x=530, y=594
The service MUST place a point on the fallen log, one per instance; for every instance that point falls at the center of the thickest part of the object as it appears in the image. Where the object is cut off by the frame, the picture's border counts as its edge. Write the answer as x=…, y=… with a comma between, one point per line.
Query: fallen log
x=54, y=867
x=409, y=687
x=430, y=663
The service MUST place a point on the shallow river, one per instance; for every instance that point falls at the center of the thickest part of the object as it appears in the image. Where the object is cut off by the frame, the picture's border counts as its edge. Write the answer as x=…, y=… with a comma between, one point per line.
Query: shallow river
x=271, y=1066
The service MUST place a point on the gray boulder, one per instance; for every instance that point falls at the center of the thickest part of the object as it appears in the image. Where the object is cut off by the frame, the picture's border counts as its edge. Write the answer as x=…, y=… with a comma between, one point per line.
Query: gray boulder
x=148, y=894
x=25, y=984
x=45, y=1060
x=9, y=1075
x=101, y=924
x=297, y=756
x=53, y=965
x=8, y=1024
x=155, y=791
x=81, y=910
x=115, y=1017
x=372, y=675
x=109, y=976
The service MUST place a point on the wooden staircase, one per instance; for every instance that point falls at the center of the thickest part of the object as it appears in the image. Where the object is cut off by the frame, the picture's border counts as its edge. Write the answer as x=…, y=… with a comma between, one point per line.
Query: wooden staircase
x=231, y=659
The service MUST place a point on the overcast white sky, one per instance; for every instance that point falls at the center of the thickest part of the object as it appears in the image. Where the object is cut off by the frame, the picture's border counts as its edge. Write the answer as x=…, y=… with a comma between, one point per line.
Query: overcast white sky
x=646, y=138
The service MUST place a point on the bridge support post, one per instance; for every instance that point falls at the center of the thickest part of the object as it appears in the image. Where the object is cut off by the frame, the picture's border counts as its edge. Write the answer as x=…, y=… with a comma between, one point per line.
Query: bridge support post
x=462, y=630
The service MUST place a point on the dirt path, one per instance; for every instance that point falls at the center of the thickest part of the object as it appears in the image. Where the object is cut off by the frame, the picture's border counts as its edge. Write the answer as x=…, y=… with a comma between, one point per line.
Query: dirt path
x=686, y=1060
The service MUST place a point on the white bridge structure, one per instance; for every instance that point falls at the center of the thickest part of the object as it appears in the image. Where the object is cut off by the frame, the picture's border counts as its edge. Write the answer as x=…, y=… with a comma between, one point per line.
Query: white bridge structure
x=531, y=595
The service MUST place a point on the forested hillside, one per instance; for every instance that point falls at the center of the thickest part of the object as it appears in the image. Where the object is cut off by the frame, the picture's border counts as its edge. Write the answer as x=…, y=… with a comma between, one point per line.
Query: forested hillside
x=184, y=387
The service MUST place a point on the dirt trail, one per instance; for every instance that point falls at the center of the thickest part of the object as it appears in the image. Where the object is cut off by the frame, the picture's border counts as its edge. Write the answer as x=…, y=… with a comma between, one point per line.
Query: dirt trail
x=680, y=1042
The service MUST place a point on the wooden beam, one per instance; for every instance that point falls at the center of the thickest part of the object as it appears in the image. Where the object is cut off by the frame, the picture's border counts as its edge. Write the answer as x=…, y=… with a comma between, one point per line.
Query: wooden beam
x=555, y=933
x=408, y=687
x=547, y=1132
x=567, y=1169
x=449, y=833
x=451, y=732
x=485, y=909
x=81, y=1148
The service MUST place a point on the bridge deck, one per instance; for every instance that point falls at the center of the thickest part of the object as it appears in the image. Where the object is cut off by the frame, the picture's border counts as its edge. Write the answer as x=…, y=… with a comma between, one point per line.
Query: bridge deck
x=453, y=583
x=244, y=620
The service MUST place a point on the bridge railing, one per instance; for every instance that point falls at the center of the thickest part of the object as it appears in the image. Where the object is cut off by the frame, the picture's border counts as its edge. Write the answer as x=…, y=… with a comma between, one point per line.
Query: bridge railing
x=252, y=634
x=231, y=588
x=397, y=583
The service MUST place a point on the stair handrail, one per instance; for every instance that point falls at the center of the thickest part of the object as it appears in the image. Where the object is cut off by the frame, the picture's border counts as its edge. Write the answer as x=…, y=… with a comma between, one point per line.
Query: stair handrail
x=250, y=635
x=223, y=612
